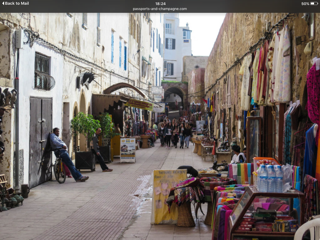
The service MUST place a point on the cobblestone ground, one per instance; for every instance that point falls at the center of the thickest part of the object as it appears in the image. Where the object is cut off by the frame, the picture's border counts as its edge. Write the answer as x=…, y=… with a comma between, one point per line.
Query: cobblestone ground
x=104, y=207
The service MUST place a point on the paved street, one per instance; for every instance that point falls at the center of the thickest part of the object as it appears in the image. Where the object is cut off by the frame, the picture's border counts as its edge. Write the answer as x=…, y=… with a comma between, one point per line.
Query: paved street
x=113, y=205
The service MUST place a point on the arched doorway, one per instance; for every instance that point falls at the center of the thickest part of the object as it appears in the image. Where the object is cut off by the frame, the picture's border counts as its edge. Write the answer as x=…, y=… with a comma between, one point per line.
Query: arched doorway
x=118, y=86
x=174, y=97
x=83, y=109
x=75, y=138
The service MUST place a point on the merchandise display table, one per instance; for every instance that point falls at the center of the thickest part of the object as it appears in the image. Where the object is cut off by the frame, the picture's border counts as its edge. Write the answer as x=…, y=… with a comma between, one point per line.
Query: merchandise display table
x=248, y=206
x=145, y=141
x=223, y=156
x=206, y=152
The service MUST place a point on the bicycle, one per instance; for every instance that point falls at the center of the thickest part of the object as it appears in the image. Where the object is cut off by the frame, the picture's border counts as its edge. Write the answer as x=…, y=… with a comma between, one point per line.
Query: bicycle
x=59, y=171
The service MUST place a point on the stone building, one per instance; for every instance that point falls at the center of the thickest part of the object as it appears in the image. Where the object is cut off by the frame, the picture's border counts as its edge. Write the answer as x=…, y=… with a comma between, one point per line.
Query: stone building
x=192, y=62
x=177, y=45
x=238, y=34
x=57, y=49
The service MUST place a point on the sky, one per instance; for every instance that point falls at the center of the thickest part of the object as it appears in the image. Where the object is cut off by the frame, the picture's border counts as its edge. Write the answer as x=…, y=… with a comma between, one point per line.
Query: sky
x=205, y=29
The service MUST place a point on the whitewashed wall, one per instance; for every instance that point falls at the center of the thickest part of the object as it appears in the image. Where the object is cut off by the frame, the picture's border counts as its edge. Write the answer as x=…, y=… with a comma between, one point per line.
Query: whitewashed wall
x=26, y=73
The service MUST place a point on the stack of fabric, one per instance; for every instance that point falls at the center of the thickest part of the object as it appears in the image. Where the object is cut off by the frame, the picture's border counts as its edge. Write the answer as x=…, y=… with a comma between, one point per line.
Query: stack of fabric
x=225, y=199
x=241, y=172
x=209, y=183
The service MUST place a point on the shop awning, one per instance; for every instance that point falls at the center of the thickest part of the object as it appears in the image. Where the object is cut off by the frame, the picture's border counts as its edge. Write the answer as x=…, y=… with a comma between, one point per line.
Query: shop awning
x=103, y=102
x=140, y=104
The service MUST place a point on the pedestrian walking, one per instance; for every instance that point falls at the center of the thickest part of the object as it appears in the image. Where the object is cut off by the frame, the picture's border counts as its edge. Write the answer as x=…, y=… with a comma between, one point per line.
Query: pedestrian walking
x=168, y=134
x=162, y=134
x=187, y=134
x=175, y=137
x=97, y=153
x=181, y=135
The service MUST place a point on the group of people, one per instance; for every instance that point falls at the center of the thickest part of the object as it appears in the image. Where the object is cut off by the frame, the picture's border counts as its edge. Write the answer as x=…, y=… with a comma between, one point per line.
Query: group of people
x=173, y=132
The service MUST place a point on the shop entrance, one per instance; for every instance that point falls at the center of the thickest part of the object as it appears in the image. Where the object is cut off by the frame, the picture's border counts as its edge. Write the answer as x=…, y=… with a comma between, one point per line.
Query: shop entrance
x=40, y=126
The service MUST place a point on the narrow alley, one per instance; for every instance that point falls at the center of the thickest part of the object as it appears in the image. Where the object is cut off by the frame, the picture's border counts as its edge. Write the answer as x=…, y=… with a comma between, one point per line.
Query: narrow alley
x=103, y=207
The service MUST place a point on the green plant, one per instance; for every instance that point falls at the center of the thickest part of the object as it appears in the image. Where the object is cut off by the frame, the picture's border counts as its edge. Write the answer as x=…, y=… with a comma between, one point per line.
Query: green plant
x=84, y=124
x=107, y=126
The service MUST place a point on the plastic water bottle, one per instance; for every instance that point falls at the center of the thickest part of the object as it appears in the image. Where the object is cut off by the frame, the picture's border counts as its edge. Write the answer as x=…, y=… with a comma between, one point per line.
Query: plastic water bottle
x=271, y=179
x=263, y=176
x=279, y=178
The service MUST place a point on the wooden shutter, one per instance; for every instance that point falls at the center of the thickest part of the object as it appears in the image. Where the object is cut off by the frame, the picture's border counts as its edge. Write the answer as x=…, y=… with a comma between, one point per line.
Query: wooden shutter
x=172, y=68
x=112, y=46
x=167, y=43
x=125, y=58
x=173, y=44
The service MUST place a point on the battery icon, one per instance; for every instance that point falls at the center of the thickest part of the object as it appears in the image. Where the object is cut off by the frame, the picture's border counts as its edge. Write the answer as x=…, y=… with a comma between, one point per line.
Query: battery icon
x=314, y=3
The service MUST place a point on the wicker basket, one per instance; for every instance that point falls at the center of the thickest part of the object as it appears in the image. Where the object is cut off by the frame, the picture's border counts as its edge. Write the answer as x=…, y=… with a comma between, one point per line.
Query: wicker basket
x=208, y=219
x=185, y=218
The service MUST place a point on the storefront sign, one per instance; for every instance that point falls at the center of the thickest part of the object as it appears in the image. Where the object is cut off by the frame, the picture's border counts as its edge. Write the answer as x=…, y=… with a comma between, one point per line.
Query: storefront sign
x=140, y=104
x=163, y=181
x=157, y=98
x=199, y=125
x=159, y=107
x=127, y=150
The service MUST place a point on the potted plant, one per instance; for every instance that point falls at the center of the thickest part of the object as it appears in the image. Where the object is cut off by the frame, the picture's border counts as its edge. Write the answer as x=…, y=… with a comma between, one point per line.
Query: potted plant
x=108, y=132
x=85, y=125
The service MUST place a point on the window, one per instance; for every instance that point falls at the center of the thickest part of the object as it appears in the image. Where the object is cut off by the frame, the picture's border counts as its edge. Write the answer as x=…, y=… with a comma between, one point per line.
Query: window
x=98, y=30
x=85, y=20
x=125, y=57
x=169, y=29
x=157, y=36
x=112, y=46
x=170, y=43
x=159, y=48
x=186, y=34
x=120, y=51
x=156, y=76
x=170, y=69
x=42, y=72
x=153, y=41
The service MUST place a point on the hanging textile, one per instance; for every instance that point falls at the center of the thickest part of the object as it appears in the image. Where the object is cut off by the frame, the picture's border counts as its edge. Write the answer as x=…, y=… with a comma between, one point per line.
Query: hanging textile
x=287, y=139
x=313, y=90
x=318, y=154
x=311, y=193
x=274, y=64
x=255, y=74
x=309, y=164
x=282, y=91
x=251, y=74
x=245, y=72
x=260, y=73
x=263, y=74
x=269, y=64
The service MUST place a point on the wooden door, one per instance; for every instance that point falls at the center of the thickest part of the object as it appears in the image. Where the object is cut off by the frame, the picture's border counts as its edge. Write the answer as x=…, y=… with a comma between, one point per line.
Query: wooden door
x=40, y=126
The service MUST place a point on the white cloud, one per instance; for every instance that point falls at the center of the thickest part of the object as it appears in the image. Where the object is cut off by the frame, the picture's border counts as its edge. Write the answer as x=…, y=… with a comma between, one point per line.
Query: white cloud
x=205, y=29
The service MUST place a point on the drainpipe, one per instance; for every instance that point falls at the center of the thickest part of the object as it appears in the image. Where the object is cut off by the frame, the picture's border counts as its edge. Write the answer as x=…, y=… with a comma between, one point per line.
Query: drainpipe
x=16, y=86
